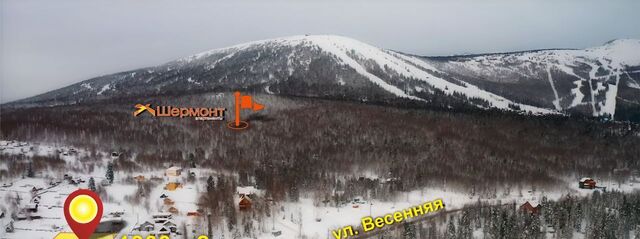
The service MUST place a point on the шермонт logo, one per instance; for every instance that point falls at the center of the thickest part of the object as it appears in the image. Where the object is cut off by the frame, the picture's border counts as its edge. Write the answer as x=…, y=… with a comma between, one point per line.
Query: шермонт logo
x=204, y=113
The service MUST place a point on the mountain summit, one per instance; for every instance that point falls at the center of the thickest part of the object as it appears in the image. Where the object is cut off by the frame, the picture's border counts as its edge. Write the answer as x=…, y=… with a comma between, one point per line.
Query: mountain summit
x=594, y=81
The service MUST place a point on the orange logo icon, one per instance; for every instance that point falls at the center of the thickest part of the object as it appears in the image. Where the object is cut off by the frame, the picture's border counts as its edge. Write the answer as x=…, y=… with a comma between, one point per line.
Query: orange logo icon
x=243, y=102
x=141, y=108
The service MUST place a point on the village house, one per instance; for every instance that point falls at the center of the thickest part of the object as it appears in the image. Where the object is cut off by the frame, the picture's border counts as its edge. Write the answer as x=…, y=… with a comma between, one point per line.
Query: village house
x=530, y=207
x=146, y=227
x=168, y=202
x=139, y=178
x=171, y=226
x=173, y=171
x=31, y=207
x=194, y=214
x=161, y=217
x=587, y=183
x=173, y=210
x=21, y=216
x=244, y=203
x=247, y=191
x=163, y=231
x=105, y=182
x=172, y=186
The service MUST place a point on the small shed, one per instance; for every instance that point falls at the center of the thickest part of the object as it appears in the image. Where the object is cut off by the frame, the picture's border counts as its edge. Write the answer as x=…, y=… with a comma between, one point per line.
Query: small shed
x=21, y=216
x=31, y=207
x=171, y=226
x=245, y=202
x=173, y=171
x=161, y=216
x=194, y=214
x=163, y=231
x=105, y=182
x=172, y=186
x=139, y=178
x=173, y=210
x=146, y=227
x=587, y=183
x=530, y=208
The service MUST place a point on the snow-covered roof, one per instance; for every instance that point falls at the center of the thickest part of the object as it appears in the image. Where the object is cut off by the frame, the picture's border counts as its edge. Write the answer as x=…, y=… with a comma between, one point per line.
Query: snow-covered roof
x=161, y=215
x=247, y=190
x=585, y=179
x=175, y=168
x=146, y=223
x=169, y=224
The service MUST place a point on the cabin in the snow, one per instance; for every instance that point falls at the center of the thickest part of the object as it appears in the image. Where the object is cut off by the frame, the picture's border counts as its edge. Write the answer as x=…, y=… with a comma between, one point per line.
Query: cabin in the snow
x=171, y=226
x=105, y=182
x=173, y=171
x=194, y=214
x=146, y=227
x=173, y=210
x=161, y=217
x=168, y=201
x=587, y=183
x=245, y=202
x=530, y=207
x=139, y=178
x=172, y=186
x=31, y=207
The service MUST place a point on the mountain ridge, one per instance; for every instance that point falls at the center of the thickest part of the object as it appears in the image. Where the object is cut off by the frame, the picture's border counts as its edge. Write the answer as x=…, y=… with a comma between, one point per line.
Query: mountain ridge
x=339, y=67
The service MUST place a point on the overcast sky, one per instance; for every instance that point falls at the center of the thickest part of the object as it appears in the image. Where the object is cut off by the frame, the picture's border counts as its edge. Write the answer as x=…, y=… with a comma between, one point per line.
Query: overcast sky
x=48, y=44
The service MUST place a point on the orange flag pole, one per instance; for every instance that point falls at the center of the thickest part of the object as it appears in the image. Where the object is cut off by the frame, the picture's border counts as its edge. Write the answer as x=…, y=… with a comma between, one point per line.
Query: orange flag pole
x=237, y=95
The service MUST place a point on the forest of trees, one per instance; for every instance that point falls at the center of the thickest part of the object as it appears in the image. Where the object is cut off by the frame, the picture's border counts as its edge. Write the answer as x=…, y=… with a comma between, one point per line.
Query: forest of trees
x=301, y=146
x=602, y=215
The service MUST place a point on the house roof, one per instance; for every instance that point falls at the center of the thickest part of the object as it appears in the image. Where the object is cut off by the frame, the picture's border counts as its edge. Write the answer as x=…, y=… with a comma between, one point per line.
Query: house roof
x=162, y=215
x=175, y=168
x=146, y=223
x=247, y=190
x=585, y=179
x=242, y=198
x=532, y=203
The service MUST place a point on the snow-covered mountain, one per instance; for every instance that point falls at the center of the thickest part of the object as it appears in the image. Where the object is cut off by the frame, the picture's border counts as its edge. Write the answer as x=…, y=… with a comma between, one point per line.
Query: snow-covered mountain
x=592, y=81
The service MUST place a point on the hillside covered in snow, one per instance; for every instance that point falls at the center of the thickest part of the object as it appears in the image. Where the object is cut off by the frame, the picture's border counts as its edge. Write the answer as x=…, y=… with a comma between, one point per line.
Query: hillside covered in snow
x=602, y=81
